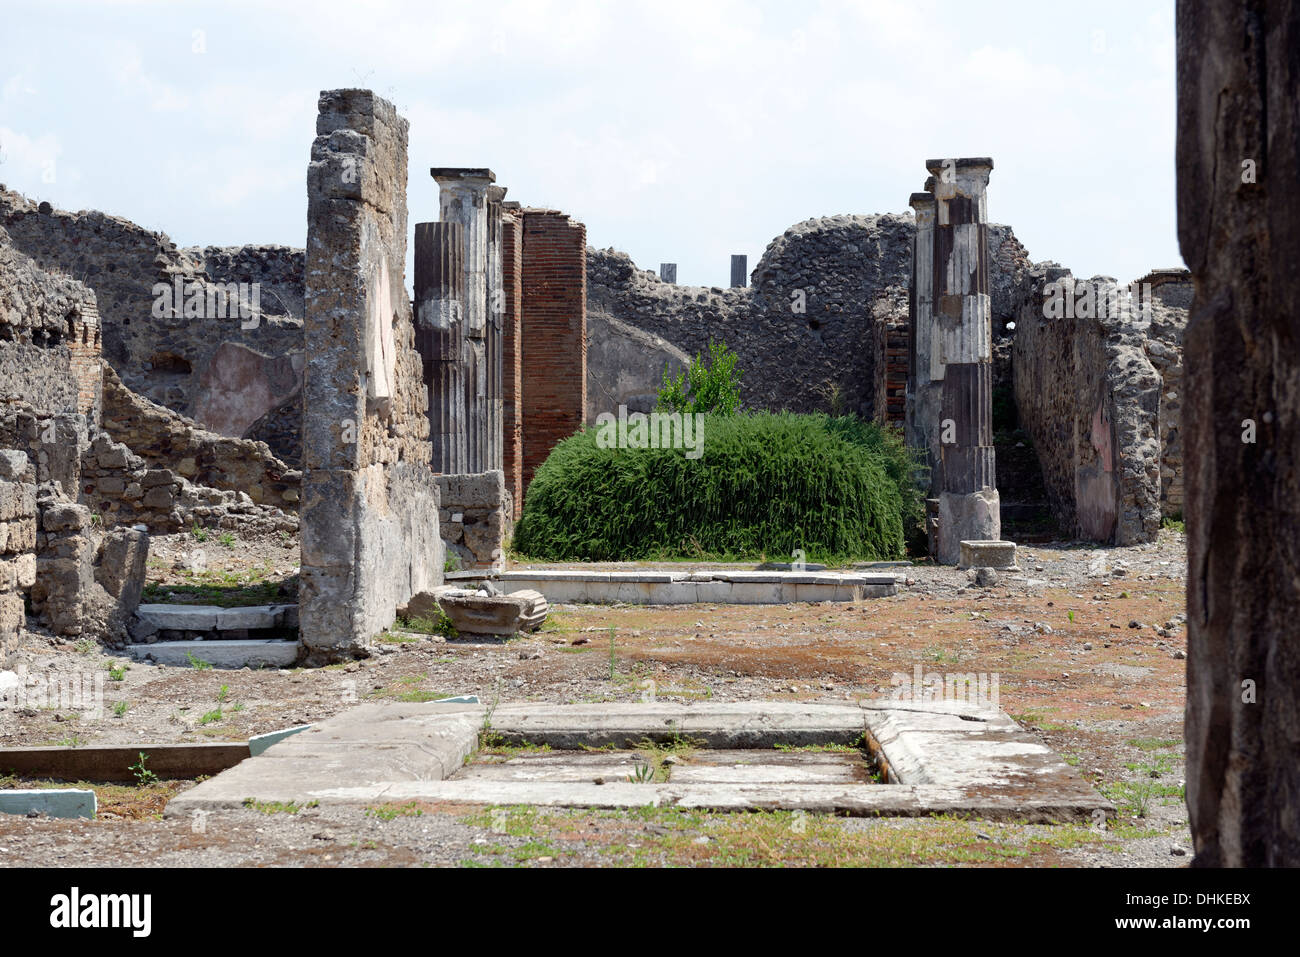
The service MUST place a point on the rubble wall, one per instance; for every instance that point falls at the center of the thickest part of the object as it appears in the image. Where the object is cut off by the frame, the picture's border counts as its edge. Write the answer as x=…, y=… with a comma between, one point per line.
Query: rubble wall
x=370, y=503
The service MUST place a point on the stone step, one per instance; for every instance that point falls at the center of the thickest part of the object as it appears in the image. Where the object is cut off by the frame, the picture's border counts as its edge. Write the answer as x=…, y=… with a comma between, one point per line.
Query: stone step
x=656, y=587
x=215, y=618
x=238, y=653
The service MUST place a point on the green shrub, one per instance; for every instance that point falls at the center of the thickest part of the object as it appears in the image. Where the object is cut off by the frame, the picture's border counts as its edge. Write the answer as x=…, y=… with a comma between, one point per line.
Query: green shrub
x=712, y=389
x=767, y=484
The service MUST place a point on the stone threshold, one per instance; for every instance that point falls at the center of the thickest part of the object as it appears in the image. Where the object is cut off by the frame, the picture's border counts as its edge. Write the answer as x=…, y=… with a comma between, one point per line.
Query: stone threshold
x=650, y=587
x=937, y=758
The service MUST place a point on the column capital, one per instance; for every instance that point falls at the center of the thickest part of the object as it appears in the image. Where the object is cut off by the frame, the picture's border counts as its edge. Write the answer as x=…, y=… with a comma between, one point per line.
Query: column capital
x=479, y=176
x=964, y=176
x=923, y=204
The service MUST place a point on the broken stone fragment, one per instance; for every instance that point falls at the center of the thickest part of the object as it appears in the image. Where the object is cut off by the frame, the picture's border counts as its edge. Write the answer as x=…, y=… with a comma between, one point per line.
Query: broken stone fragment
x=478, y=613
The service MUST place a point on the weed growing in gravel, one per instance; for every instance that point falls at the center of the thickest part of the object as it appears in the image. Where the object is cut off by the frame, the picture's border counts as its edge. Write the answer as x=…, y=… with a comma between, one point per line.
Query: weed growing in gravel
x=143, y=776
x=389, y=812
x=120, y=708
x=277, y=807
x=198, y=664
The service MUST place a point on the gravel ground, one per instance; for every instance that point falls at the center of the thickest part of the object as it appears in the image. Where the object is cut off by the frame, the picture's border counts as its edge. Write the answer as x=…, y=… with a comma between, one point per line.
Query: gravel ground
x=1088, y=646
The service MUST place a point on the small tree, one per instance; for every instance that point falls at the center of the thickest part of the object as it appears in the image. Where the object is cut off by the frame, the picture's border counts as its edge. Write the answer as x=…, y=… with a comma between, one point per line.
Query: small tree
x=712, y=389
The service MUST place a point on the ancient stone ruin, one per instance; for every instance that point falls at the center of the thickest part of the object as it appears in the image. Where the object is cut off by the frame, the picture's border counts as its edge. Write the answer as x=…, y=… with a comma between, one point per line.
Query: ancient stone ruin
x=396, y=428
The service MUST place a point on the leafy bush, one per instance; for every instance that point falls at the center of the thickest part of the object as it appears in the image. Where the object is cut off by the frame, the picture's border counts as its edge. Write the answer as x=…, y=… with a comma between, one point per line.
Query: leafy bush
x=712, y=389
x=767, y=484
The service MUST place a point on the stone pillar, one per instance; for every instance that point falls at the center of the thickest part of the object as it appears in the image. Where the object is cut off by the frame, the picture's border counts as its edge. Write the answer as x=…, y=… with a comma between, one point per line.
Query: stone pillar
x=463, y=198
x=440, y=338
x=1238, y=159
x=739, y=272
x=369, y=514
x=963, y=337
x=492, y=460
x=668, y=272
x=924, y=393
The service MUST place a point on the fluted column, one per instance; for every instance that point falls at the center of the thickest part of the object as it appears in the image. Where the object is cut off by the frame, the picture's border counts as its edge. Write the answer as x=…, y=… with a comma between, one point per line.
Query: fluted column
x=463, y=199
x=440, y=338
x=963, y=339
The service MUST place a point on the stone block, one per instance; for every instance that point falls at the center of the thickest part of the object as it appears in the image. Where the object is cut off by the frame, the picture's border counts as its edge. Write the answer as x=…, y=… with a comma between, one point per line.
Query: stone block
x=159, y=497
x=180, y=617
x=121, y=566
x=16, y=501
x=981, y=554
x=483, y=490
x=248, y=653
x=65, y=517
x=54, y=802
x=18, y=572
x=13, y=465
x=966, y=517
x=477, y=613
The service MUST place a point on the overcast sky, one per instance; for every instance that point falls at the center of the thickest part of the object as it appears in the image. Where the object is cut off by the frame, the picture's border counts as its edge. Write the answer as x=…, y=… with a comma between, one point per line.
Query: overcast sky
x=677, y=130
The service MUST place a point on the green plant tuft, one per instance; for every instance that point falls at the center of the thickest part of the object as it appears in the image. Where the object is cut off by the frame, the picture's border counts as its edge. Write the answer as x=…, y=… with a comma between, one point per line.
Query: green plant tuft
x=839, y=488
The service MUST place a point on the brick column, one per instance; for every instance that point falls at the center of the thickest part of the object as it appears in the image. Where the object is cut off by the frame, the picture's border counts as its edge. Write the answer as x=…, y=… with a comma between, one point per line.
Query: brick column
x=554, y=332
x=963, y=336
x=440, y=338
x=512, y=428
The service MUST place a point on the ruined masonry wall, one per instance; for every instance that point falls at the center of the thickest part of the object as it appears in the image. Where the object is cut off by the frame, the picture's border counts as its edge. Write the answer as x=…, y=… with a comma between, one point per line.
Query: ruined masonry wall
x=17, y=546
x=475, y=518
x=211, y=369
x=369, y=512
x=165, y=439
x=853, y=272
x=1090, y=396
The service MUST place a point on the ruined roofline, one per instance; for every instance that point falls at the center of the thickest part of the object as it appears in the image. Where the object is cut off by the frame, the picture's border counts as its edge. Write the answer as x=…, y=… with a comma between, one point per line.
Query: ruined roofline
x=25, y=204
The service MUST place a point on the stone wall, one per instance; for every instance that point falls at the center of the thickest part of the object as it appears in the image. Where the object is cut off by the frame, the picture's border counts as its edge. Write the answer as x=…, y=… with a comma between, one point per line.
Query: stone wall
x=223, y=371
x=475, y=519
x=811, y=332
x=17, y=547
x=554, y=333
x=370, y=503
x=626, y=366
x=49, y=337
x=88, y=579
x=166, y=439
x=1097, y=394
x=1164, y=348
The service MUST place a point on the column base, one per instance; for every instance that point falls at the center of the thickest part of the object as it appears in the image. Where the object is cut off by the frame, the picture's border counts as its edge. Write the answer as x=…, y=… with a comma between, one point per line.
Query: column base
x=976, y=516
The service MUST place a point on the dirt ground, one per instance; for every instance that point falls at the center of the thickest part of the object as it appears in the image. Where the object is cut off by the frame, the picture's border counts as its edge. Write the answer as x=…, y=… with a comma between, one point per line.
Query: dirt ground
x=1087, y=645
